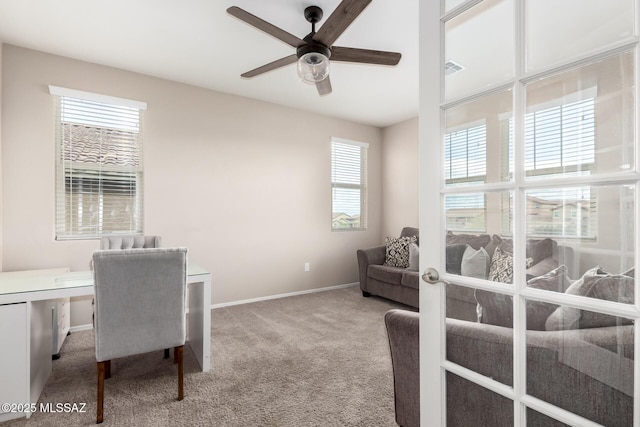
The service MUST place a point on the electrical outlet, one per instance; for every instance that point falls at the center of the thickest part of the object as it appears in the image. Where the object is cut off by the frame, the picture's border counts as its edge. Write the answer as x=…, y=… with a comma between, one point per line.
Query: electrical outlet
x=307, y=266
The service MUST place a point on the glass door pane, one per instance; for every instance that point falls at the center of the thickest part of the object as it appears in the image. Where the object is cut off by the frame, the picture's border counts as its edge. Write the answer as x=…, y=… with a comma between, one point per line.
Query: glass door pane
x=558, y=31
x=479, y=48
x=537, y=212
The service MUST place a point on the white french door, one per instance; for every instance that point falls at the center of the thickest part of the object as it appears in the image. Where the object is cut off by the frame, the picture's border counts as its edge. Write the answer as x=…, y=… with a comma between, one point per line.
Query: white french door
x=529, y=182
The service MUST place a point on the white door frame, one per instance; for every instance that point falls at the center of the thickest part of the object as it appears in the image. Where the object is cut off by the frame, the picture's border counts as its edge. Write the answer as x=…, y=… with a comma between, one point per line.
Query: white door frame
x=433, y=362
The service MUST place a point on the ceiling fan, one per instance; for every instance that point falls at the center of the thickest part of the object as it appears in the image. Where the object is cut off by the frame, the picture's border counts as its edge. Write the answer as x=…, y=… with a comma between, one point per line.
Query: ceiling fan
x=316, y=48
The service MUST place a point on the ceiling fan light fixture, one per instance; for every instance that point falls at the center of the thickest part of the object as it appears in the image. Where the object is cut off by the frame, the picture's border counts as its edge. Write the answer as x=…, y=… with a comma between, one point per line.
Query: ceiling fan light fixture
x=313, y=67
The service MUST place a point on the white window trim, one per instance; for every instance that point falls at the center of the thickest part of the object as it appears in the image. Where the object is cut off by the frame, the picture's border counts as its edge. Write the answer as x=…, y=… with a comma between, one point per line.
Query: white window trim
x=96, y=97
x=363, y=186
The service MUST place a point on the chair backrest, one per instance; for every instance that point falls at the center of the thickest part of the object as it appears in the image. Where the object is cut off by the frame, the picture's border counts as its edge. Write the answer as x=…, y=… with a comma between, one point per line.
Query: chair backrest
x=139, y=300
x=129, y=242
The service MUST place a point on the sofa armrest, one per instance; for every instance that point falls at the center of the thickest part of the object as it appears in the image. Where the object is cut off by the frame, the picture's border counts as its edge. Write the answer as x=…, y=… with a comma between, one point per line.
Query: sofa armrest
x=565, y=368
x=367, y=257
x=403, y=332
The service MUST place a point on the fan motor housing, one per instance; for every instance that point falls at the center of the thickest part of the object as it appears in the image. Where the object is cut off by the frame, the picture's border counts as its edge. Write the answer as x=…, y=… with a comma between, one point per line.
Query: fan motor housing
x=313, y=47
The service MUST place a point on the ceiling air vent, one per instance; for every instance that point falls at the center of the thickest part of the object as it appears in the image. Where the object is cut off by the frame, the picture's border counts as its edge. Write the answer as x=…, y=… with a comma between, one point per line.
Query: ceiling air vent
x=451, y=67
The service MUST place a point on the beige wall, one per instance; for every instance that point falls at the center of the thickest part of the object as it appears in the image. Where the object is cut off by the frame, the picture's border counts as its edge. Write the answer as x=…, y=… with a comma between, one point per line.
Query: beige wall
x=244, y=184
x=1, y=171
x=400, y=177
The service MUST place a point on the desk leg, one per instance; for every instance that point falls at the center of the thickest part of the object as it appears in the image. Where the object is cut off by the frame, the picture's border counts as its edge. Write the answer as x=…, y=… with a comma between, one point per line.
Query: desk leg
x=199, y=327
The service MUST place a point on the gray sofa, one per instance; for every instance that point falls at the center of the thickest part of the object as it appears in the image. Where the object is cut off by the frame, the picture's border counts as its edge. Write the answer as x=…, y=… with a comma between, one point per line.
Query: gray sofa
x=558, y=374
x=394, y=283
x=402, y=284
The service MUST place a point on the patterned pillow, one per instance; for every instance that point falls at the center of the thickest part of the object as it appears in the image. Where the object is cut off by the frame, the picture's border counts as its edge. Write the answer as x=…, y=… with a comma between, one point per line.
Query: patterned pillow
x=501, y=269
x=397, y=254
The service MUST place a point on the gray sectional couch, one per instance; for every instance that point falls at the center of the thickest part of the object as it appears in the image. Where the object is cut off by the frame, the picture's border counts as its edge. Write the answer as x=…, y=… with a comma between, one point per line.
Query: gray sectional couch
x=581, y=361
x=401, y=284
x=586, y=371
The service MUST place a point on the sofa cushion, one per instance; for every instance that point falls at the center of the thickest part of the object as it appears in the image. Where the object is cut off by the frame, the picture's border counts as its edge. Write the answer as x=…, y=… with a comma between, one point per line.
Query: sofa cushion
x=410, y=279
x=397, y=251
x=540, y=249
x=543, y=267
x=454, y=255
x=537, y=249
x=475, y=263
x=411, y=231
x=476, y=241
x=386, y=274
x=595, y=283
x=497, y=309
x=414, y=257
x=538, y=312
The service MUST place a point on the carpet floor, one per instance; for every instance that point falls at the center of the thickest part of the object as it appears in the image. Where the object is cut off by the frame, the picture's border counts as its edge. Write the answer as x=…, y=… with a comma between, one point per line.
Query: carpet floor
x=320, y=359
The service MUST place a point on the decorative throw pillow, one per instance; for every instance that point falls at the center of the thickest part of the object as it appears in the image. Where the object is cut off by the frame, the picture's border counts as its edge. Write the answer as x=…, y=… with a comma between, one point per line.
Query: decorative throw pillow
x=501, y=269
x=414, y=257
x=397, y=251
x=595, y=283
x=497, y=309
x=475, y=263
x=454, y=255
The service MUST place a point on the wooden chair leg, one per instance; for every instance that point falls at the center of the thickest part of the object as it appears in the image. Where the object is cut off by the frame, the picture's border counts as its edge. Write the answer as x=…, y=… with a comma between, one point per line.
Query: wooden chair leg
x=107, y=369
x=166, y=354
x=179, y=353
x=101, y=374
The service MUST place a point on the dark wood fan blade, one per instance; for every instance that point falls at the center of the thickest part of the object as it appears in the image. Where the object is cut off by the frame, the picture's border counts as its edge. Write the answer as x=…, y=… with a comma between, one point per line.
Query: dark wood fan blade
x=339, y=20
x=324, y=86
x=350, y=54
x=265, y=26
x=271, y=66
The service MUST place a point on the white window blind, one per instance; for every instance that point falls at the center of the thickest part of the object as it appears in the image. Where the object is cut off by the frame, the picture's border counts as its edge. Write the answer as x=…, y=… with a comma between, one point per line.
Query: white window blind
x=465, y=152
x=560, y=138
x=559, y=141
x=99, y=167
x=348, y=184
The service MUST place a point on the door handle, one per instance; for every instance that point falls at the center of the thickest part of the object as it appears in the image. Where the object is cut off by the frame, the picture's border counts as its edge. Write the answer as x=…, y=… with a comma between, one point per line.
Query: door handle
x=432, y=276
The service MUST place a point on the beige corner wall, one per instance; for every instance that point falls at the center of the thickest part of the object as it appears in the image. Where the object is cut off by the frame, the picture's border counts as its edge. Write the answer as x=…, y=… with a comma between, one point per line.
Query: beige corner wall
x=400, y=177
x=244, y=184
x=1, y=171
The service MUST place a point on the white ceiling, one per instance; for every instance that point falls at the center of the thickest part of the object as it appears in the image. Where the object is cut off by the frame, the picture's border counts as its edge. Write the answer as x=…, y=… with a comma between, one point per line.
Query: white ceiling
x=198, y=43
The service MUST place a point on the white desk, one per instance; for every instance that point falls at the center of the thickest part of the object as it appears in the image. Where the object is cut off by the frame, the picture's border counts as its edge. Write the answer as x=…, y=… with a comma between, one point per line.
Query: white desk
x=25, y=327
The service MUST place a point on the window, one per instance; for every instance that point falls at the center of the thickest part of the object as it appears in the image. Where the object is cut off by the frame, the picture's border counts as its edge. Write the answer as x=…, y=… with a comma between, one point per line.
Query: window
x=99, y=168
x=559, y=141
x=465, y=151
x=348, y=185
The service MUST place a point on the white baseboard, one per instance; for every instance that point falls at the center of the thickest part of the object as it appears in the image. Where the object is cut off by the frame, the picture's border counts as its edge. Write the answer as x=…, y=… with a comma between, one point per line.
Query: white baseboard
x=289, y=294
x=79, y=328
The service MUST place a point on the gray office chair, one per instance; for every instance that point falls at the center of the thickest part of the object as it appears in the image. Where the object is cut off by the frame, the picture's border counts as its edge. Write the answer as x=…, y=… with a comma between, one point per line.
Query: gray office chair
x=139, y=307
x=130, y=242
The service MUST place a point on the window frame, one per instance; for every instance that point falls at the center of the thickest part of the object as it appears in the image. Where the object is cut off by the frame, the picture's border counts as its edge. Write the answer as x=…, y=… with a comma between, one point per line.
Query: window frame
x=451, y=199
x=115, y=119
x=361, y=186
